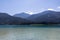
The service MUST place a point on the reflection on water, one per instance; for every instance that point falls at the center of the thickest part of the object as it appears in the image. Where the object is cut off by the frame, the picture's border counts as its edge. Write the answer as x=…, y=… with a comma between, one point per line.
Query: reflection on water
x=29, y=33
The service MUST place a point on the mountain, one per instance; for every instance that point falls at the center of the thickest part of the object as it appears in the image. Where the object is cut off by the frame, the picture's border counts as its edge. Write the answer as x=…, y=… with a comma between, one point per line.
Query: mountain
x=22, y=15
x=11, y=20
x=43, y=17
x=46, y=17
x=32, y=17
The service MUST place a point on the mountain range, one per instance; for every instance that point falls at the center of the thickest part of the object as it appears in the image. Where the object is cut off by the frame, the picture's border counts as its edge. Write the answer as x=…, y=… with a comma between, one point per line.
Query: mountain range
x=46, y=17
x=11, y=20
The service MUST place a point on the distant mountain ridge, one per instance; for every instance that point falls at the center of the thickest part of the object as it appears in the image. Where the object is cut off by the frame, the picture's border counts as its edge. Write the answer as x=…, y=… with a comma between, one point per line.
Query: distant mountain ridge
x=22, y=15
x=11, y=20
x=39, y=14
x=46, y=16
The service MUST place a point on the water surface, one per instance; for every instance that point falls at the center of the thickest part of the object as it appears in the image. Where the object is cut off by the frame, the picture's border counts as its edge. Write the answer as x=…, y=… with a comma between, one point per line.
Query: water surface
x=8, y=32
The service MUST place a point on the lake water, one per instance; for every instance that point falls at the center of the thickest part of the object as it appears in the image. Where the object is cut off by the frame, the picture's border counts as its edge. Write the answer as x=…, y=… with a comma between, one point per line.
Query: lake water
x=16, y=32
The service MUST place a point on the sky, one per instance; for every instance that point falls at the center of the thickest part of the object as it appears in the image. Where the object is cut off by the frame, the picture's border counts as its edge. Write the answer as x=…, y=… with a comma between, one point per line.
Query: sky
x=29, y=6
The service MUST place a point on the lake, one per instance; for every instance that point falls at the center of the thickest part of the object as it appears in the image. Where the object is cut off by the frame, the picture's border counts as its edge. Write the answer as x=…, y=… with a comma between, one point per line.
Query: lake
x=18, y=32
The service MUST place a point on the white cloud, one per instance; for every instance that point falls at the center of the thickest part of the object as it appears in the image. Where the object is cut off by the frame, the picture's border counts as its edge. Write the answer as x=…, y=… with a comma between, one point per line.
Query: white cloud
x=29, y=12
x=50, y=9
x=58, y=7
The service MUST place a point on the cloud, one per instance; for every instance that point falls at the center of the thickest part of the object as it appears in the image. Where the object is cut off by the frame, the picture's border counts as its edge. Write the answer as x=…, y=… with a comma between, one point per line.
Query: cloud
x=58, y=7
x=50, y=9
x=29, y=12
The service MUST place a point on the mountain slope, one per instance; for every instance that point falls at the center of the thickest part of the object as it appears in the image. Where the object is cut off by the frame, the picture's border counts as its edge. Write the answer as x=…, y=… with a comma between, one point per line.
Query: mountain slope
x=22, y=15
x=46, y=16
x=7, y=19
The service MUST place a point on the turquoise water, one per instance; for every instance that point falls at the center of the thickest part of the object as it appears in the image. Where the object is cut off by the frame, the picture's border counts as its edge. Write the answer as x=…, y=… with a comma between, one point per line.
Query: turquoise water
x=25, y=32
x=34, y=26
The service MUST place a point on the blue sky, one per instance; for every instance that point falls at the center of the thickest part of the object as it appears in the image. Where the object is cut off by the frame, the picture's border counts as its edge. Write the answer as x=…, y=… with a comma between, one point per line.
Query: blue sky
x=35, y=6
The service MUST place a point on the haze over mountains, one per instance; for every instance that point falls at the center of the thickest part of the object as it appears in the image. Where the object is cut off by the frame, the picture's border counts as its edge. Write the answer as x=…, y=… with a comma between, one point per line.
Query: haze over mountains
x=23, y=18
